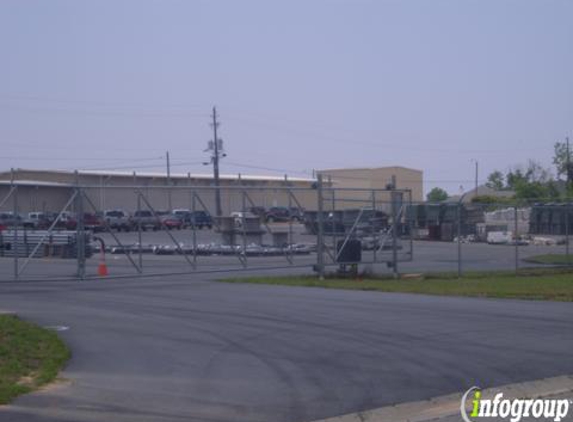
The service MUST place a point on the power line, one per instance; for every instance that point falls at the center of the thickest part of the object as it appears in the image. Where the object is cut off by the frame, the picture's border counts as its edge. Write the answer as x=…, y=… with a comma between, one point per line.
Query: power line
x=11, y=97
x=103, y=112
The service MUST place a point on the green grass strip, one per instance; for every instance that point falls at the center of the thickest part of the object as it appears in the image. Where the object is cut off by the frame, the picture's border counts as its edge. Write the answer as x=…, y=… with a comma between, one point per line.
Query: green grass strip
x=535, y=284
x=551, y=259
x=30, y=356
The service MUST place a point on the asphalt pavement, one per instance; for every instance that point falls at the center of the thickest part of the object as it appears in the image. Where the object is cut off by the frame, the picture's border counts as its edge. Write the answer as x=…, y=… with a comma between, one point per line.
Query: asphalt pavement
x=188, y=349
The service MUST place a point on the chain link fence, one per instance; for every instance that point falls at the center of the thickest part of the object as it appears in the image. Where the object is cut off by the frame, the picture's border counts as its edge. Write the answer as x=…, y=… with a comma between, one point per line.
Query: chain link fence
x=85, y=231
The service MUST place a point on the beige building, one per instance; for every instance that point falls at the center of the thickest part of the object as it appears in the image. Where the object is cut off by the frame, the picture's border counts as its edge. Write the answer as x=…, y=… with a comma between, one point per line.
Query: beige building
x=374, y=178
x=50, y=190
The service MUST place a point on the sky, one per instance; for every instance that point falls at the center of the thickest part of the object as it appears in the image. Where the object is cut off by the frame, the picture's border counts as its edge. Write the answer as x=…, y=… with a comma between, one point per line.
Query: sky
x=435, y=85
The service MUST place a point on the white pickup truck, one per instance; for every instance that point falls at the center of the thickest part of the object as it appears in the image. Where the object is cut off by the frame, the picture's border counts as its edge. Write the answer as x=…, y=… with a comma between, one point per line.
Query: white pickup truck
x=117, y=219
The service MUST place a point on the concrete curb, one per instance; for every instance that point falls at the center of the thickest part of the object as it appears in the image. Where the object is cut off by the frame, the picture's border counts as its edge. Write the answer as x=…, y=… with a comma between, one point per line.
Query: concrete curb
x=443, y=406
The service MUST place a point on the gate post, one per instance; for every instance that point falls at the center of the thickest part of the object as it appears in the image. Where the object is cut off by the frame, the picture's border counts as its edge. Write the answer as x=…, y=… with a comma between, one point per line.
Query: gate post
x=515, y=227
x=17, y=219
x=394, y=199
x=459, y=218
x=320, y=239
x=567, y=211
x=80, y=232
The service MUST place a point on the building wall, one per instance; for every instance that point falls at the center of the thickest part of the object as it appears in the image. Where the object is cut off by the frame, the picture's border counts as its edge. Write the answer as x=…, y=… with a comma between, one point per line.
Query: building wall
x=373, y=178
x=35, y=198
x=50, y=190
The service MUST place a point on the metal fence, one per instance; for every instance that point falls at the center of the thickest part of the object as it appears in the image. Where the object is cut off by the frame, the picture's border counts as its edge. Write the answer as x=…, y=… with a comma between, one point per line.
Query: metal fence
x=493, y=236
x=137, y=230
x=76, y=233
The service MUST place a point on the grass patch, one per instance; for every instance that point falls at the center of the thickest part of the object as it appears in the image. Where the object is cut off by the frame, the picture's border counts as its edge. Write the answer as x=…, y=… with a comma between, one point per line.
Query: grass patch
x=533, y=284
x=30, y=356
x=551, y=259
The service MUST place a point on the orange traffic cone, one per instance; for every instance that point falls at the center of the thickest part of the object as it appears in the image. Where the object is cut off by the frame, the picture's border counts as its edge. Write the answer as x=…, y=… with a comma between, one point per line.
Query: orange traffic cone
x=102, y=268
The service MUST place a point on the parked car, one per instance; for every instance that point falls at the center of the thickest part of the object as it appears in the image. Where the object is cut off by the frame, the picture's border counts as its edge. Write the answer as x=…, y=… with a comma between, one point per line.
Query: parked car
x=277, y=214
x=37, y=220
x=200, y=218
x=297, y=214
x=171, y=221
x=239, y=215
x=146, y=219
x=92, y=222
x=8, y=219
x=117, y=219
x=258, y=211
x=66, y=218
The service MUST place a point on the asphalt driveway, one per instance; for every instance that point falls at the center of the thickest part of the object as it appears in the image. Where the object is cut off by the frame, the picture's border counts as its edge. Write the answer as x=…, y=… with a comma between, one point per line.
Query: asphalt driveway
x=187, y=349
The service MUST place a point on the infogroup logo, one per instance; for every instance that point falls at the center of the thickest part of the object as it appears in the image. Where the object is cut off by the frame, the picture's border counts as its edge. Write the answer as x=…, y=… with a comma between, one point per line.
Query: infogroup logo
x=512, y=409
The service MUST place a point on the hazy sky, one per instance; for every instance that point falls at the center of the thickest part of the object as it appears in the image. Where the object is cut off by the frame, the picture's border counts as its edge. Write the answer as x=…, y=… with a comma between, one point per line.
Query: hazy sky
x=298, y=84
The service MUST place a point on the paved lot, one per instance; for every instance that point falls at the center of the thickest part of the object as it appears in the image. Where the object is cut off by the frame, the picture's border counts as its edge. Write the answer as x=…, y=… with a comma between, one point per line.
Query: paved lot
x=427, y=256
x=187, y=349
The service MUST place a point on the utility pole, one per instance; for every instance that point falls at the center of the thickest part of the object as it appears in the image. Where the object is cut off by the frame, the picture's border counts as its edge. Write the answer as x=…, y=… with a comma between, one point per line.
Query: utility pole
x=168, y=181
x=476, y=178
x=216, y=146
x=569, y=170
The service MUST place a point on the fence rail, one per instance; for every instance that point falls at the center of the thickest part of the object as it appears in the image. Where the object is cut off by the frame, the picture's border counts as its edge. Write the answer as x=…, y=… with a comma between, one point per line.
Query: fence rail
x=264, y=228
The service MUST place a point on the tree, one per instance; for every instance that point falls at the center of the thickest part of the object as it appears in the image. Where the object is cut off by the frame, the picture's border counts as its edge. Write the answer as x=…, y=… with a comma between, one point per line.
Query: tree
x=437, y=195
x=560, y=160
x=532, y=173
x=495, y=180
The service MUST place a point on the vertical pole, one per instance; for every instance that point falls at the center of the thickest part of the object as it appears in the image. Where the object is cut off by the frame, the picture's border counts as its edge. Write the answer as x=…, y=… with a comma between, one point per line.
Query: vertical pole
x=410, y=224
x=244, y=225
x=320, y=240
x=139, y=236
x=290, y=220
x=394, y=198
x=139, y=239
x=476, y=182
x=80, y=232
x=216, y=164
x=194, y=228
x=567, y=211
x=459, y=230
x=168, y=181
x=15, y=247
x=333, y=222
x=516, y=238
x=569, y=170
x=569, y=176
x=372, y=222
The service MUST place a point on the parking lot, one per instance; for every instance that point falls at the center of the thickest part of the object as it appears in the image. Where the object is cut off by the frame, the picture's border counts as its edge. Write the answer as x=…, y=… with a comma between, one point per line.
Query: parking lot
x=427, y=256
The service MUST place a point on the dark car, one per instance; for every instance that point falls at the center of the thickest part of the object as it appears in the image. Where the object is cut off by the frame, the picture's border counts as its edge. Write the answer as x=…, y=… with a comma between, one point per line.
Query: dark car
x=258, y=211
x=277, y=214
x=297, y=214
x=202, y=219
x=199, y=217
x=8, y=219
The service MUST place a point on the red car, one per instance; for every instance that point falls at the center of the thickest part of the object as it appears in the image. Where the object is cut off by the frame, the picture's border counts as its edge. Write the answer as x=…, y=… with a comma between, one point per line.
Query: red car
x=91, y=222
x=171, y=221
